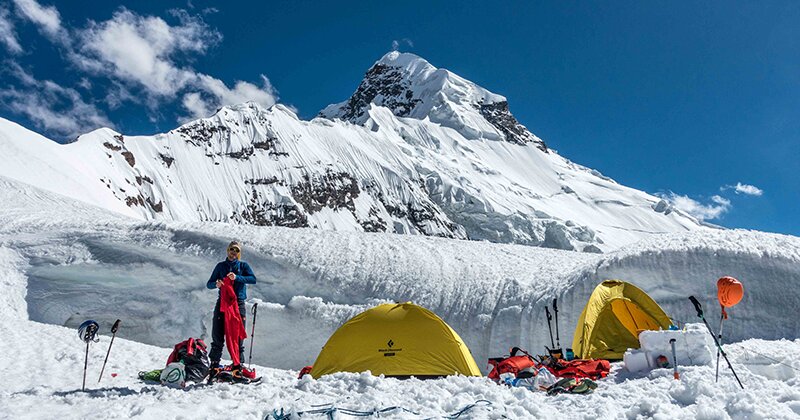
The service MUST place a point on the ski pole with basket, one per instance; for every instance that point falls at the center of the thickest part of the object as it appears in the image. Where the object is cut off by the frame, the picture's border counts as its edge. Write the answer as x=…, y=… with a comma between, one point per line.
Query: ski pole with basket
x=699, y=310
x=114, y=329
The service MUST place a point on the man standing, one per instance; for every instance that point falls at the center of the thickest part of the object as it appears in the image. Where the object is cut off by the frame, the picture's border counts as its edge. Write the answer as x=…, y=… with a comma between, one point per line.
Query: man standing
x=237, y=273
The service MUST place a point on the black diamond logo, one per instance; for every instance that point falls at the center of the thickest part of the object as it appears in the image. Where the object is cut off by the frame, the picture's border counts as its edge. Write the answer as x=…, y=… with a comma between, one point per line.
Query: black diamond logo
x=390, y=343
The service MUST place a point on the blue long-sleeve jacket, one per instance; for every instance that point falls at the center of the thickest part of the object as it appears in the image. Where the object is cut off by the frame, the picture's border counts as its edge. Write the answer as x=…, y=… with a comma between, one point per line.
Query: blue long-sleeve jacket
x=244, y=275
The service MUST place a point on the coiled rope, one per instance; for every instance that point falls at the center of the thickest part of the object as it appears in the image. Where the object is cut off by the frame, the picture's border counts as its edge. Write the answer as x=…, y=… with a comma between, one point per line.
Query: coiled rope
x=330, y=411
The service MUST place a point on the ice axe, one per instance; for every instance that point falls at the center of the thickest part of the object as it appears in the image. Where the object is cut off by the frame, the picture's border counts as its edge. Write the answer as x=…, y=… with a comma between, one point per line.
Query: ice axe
x=699, y=310
x=113, y=334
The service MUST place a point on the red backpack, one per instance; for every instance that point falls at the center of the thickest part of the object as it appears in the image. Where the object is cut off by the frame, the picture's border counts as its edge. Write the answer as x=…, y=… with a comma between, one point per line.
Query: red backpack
x=512, y=364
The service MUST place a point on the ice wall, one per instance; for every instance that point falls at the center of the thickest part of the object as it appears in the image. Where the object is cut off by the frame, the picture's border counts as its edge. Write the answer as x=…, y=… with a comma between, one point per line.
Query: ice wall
x=80, y=263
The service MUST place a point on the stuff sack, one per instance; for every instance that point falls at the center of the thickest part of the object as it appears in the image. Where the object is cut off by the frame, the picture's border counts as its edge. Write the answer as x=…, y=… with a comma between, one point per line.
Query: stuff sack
x=174, y=375
x=580, y=368
x=512, y=364
x=194, y=355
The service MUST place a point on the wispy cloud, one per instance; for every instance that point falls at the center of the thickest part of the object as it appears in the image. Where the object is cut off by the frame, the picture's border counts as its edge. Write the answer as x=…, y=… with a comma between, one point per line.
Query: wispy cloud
x=50, y=106
x=745, y=189
x=396, y=44
x=703, y=211
x=144, y=60
x=8, y=36
x=47, y=18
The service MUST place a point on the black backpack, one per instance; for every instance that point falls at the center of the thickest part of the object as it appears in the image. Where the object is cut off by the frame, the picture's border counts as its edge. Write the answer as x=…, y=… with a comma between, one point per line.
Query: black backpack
x=194, y=356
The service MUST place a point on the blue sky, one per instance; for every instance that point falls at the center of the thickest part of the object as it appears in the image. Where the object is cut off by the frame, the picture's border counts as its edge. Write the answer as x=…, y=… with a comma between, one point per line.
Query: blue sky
x=684, y=99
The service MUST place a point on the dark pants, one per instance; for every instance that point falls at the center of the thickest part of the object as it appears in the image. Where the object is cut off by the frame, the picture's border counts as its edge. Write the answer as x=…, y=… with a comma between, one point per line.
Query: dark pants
x=218, y=333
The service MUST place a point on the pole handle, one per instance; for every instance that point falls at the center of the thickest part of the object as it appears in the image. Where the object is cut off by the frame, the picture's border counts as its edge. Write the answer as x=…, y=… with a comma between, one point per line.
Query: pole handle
x=697, y=306
x=547, y=312
x=555, y=305
x=115, y=327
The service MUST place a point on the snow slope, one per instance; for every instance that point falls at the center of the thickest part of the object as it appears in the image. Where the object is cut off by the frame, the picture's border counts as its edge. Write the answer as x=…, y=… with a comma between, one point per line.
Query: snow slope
x=416, y=150
x=69, y=261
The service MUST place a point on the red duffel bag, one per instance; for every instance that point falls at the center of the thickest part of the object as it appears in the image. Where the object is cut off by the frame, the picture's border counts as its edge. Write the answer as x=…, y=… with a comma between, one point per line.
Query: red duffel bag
x=512, y=364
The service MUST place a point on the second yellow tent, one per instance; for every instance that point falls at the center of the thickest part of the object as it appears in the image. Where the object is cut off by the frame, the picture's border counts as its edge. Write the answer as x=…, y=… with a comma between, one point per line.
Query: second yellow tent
x=613, y=318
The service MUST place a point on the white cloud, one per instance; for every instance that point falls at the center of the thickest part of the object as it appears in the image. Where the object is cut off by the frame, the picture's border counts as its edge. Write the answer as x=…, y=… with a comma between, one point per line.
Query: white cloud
x=715, y=209
x=7, y=34
x=50, y=106
x=46, y=18
x=140, y=50
x=143, y=51
x=746, y=189
x=216, y=94
x=145, y=59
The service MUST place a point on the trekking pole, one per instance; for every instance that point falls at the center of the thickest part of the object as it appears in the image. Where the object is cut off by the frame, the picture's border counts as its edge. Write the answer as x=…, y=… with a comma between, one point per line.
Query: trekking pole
x=699, y=310
x=675, y=373
x=549, y=328
x=252, y=333
x=555, y=309
x=86, y=332
x=722, y=317
x=113, y=334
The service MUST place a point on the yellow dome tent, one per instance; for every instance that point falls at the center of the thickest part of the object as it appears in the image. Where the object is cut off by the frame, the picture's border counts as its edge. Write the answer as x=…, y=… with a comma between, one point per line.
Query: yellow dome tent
x=613, y=318
x=400, y=339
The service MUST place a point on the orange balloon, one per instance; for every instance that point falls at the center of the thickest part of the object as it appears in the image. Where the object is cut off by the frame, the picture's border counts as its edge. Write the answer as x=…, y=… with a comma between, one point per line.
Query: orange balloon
x=729, y=291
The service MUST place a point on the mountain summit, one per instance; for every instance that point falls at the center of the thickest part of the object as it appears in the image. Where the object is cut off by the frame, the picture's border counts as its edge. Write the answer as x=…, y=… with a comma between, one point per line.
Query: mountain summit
x=416, y=150
x=411, y=87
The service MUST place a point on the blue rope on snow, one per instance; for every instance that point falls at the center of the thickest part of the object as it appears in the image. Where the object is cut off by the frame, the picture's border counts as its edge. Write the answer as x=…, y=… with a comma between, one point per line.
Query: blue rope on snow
x=329, y=411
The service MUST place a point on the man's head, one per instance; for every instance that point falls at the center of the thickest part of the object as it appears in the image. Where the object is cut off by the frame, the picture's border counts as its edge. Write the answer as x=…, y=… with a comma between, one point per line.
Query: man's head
x=234, y=250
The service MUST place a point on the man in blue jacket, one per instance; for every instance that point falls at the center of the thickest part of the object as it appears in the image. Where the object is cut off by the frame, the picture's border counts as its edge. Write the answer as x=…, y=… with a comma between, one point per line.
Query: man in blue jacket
x=241, y=274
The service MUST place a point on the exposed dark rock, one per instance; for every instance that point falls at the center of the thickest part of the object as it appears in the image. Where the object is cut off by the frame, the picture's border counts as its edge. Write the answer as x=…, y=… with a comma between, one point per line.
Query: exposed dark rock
x=242, y=154
x=129, y=158
x=112, y=146
x=140, y=179
x=333, y=189
x=166, y=159
x=157, y=207
x=201, y=131
x=388, y=82
x=267, y=144
x=263, y=181
x=260, y=212
x=135, y=201
x=120, y=138
x=375, y=223
x=419, y=215
x=500, y=117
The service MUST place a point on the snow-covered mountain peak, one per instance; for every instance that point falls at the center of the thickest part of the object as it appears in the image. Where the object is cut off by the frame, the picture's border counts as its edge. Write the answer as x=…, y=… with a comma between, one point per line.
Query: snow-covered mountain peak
x=422, y=151
x=412, y=87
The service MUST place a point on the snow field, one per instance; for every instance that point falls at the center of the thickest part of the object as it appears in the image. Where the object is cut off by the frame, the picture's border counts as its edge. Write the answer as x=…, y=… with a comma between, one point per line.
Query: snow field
x=62, y=262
